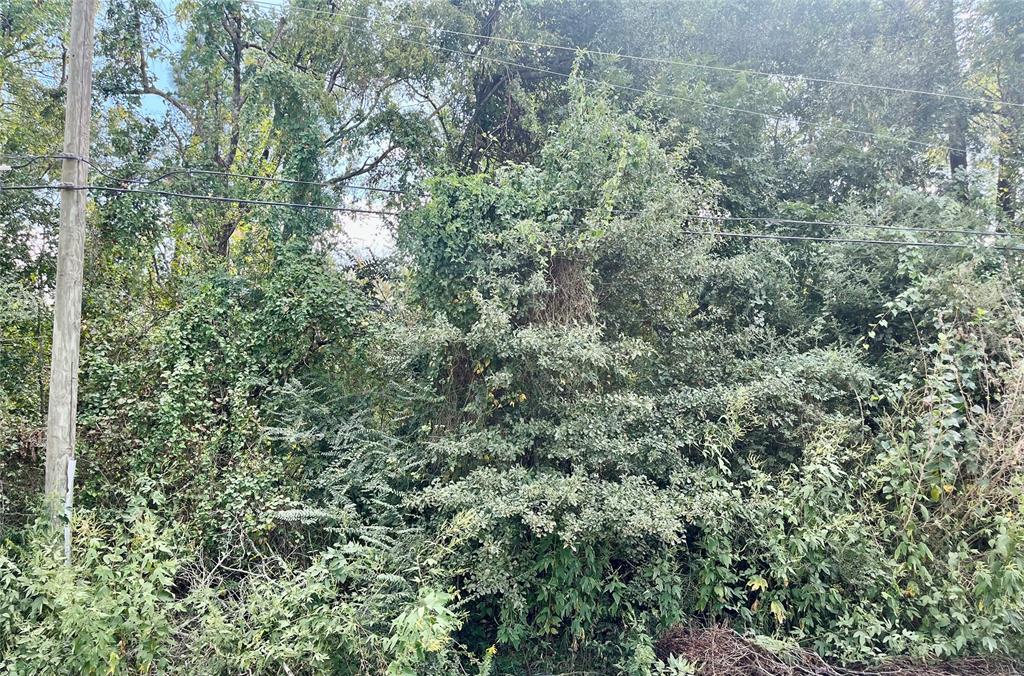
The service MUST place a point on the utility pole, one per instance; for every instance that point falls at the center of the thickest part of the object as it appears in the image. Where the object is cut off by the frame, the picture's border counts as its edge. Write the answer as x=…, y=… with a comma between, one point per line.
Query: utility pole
x=67, y=307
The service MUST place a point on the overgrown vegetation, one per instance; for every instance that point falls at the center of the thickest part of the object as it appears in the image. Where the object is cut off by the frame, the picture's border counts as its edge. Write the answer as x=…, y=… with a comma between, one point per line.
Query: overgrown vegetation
x=560, y=419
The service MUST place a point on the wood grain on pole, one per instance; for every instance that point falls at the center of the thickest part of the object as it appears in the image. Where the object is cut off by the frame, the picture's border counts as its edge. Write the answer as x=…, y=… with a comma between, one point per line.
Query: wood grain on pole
x=67, y=309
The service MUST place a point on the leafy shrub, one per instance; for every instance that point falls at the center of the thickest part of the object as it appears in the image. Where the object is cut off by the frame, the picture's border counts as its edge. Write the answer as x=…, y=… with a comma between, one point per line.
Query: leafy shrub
x=128, y=604
x=109, y=610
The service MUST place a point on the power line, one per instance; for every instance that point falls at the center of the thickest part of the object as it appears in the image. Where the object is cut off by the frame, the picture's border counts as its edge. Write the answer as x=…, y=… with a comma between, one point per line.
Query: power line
x=806, y=238
x=842, y=240
x=210, y=198
x=699, y=102
x=395, y=191
x=7, y=188
x=663, y=61
x=29, y=159
x=240, y=200
x=639, y=90
x=189, y=171
x=273, y=179
x=768, y=220
x=198, y=171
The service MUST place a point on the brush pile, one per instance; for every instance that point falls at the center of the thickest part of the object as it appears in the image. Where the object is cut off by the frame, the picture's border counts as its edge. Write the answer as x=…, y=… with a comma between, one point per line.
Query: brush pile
x=720, y=651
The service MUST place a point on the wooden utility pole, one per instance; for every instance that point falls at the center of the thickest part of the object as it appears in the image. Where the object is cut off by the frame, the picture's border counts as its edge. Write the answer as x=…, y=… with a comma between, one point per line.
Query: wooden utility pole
x=67, y=307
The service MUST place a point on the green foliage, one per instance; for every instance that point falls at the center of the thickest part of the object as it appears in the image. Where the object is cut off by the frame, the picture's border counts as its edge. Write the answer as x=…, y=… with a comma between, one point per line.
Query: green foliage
x=127, y=604
x=107, y=611
x=421, y=630
x=217, y=361
x=331, y=617
x=556, y=420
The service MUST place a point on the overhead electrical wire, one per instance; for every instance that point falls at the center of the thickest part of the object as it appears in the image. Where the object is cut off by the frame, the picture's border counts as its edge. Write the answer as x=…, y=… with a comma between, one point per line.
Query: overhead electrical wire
x=9, y=188
x=768, y=116
x=177, y=171
x=700, y=102
x=709, y=233
x=674, y=97
x=239, y=200
x=28, y=159
x=840, y=240
x=640, y=90
x=272, y=179
x=196, y=196
x=770, y=220
x=395, y=191
x=658, y=60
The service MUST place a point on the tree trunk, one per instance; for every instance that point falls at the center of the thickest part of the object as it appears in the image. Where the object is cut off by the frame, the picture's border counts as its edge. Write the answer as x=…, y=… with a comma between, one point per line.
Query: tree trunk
x=959, y=113
x=1006, y=181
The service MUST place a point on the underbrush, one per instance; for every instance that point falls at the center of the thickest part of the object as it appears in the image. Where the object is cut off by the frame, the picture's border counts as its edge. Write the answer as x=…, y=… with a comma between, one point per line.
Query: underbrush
x=132, y=601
